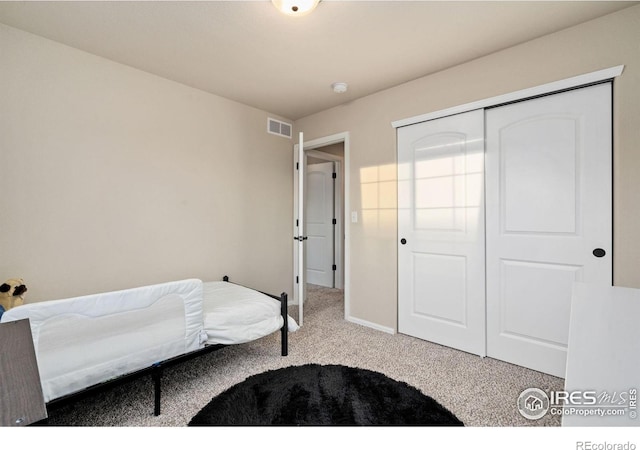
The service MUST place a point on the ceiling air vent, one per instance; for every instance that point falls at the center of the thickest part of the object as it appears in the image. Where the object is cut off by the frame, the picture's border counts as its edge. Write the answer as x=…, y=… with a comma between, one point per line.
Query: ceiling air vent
x=278, y=127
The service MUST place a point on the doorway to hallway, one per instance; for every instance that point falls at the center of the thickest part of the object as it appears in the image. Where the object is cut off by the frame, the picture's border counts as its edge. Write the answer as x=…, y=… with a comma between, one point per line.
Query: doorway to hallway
x=332, y=149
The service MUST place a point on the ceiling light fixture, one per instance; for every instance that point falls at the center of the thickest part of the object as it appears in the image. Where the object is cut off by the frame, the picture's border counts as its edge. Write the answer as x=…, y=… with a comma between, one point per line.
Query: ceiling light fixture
x=339, y=87
x=295, y=7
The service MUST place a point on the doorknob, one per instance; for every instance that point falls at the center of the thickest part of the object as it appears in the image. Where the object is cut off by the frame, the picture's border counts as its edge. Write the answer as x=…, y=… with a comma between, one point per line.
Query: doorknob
x=403, y=241
x=599, y=252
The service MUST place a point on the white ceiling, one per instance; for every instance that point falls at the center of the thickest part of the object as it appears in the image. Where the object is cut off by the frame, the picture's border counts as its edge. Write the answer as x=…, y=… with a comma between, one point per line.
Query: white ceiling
x=247, y=51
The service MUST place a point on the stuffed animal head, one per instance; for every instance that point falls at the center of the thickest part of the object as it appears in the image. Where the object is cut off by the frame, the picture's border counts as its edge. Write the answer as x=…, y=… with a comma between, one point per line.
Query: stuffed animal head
x=12, y=293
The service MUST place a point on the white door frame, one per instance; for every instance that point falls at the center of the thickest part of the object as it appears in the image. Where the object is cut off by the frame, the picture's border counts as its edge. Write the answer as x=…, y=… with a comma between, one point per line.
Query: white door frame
x=315, y=144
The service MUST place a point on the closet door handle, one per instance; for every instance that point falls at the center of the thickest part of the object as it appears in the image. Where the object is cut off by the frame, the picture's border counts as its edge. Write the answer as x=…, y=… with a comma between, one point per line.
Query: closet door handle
x=599, y=252
x=403, y=241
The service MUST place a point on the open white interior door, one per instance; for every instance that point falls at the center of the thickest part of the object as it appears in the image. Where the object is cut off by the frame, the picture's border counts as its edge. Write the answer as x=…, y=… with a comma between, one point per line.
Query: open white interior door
x=299, y=164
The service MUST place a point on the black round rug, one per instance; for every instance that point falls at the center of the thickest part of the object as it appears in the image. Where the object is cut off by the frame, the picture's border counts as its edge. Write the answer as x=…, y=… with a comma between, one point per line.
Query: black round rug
x=323, y=395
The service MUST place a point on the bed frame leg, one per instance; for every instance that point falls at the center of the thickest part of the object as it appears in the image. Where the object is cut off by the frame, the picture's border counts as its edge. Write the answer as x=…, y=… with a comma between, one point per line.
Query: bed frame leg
x=156, y=374
x=285, y=326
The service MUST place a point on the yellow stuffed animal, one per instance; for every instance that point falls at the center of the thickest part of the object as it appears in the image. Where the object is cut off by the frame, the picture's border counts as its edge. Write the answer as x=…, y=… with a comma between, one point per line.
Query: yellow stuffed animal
x=12, y=293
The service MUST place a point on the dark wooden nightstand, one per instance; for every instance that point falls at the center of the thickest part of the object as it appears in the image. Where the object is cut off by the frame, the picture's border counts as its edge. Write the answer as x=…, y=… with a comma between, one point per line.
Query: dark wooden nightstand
x=21, y=399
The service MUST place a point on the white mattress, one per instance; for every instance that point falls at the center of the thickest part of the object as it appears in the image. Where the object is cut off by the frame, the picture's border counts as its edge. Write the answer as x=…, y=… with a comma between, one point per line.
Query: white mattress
x=86, y=340
x=235, y=314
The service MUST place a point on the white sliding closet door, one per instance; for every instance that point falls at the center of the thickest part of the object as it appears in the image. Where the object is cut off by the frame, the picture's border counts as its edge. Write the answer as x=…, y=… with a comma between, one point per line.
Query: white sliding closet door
x=441, y=278
x=548, y=220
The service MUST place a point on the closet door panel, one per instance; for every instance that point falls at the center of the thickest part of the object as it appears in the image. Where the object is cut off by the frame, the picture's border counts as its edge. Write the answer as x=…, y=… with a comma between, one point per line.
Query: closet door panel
x=548, y=188
x=539, y=175
x=441, y=231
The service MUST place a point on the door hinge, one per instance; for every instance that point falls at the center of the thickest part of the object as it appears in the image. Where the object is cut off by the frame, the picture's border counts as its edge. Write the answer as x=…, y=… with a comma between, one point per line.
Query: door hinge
x=335, y=222
x=334, y=175
x=335, y=267
x=297, y=223
x=297, y=166
x=297, y=280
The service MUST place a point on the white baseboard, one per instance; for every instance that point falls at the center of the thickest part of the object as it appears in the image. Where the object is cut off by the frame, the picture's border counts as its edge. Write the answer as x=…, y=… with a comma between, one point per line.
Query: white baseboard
x=375, y=326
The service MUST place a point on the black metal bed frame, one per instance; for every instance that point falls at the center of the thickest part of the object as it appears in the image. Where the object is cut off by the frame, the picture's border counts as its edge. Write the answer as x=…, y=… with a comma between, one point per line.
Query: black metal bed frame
x=156, y=370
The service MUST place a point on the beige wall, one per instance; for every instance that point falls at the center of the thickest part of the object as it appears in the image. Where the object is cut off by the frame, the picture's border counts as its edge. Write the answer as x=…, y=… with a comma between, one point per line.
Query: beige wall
x=606, y=42
x=113, y=178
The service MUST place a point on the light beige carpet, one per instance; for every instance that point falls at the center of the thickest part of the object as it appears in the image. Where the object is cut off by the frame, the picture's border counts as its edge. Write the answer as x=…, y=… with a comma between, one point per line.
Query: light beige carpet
x=479, y=391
